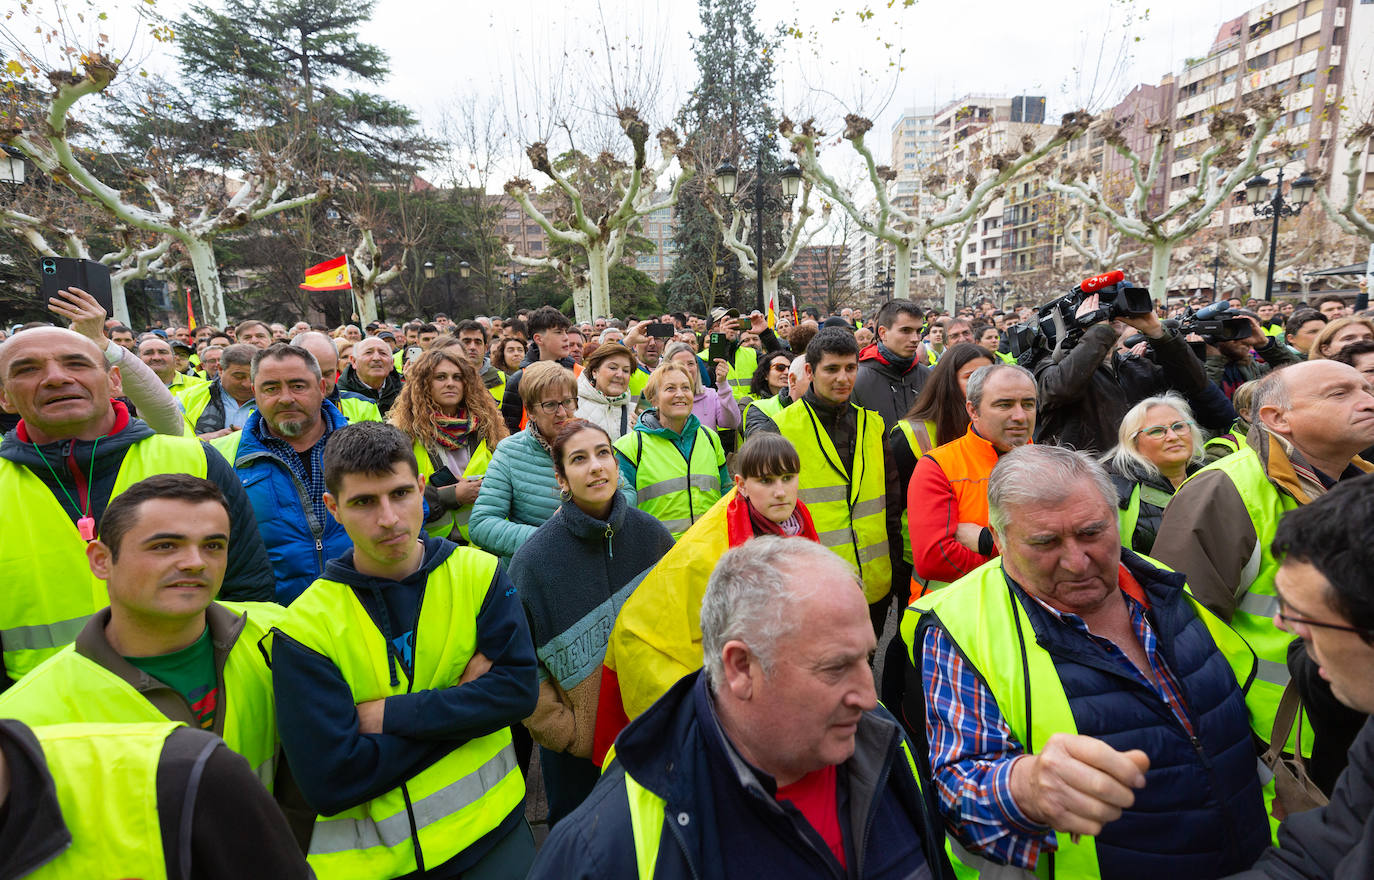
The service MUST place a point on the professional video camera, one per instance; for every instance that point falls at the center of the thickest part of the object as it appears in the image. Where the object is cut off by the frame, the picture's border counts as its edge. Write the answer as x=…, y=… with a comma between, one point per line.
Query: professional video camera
x=1214, y=323
x=1117, y=298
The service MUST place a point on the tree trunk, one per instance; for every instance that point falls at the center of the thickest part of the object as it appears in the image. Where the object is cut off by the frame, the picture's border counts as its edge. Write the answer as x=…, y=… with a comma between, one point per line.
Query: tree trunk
x=582, y=304
x=1160, y=252
x=121, y=302
x=202, y=254
x=598, y=273
x=901, y=282
x=1257, y=283
x=951, y=287
x=367, y=303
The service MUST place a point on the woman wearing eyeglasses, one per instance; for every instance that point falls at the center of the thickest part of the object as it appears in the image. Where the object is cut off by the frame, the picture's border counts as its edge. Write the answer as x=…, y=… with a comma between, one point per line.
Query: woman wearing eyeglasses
x=520, y=490
x=1158, y=446
x=674, y=468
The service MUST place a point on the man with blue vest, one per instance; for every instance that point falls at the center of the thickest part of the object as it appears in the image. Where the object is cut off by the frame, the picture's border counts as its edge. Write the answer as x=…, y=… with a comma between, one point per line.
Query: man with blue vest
x=398, y=675
x=73, y=451
x=1083, y=715
x=848, y=481
x=278, y=456
x=163, y=649
x=774, y=760
x=1310, y=422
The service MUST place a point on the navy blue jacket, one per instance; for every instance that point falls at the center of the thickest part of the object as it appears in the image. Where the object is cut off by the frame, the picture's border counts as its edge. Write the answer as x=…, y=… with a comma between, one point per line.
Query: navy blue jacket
x=1201, y=813
x=336, y=766
x=297, y=544
x=721, y=816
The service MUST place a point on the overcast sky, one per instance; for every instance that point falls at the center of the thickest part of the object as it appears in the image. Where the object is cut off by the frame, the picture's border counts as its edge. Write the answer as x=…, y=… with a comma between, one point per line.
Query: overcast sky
x=952, y=47
x=1065, y=50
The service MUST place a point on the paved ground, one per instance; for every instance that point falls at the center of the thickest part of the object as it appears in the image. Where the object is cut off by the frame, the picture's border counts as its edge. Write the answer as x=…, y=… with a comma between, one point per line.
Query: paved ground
x=536, y=803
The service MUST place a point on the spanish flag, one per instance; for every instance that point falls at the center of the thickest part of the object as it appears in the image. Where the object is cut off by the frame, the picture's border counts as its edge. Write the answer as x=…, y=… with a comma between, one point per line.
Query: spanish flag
x=190, y=313
x=329, y=275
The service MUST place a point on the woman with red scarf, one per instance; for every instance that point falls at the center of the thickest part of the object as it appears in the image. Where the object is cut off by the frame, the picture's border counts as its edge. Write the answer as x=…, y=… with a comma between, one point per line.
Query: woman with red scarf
x=657, y=636
x=455, y=425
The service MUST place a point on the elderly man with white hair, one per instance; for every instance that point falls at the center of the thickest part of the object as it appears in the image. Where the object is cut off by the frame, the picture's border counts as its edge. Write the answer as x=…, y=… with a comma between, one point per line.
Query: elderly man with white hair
x=1081, y=712
x=775, y=760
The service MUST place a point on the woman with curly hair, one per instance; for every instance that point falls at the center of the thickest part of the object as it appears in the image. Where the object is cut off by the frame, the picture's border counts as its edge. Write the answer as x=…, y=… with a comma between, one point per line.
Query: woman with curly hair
x=455, y=425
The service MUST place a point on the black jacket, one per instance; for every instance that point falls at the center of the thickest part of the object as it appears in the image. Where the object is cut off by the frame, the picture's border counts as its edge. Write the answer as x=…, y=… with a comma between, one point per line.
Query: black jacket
x=385, y=396
x=234, y=828
x=886, y=389
x=1084, y=396
x=1334, y=841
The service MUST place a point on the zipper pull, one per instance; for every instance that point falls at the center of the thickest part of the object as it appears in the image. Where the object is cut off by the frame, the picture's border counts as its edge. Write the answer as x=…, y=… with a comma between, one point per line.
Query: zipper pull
x=610, y=547
x=319, y=545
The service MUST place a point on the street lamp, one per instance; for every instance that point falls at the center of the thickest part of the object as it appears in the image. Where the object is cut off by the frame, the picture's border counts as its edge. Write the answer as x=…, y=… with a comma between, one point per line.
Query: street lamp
x=964, y=283
x=1271, y=203
x=758, y=201
x=11, y=170
x=886, y=283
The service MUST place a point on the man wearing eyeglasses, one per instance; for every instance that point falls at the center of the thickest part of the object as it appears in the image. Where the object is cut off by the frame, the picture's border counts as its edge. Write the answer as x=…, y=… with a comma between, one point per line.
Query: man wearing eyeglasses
x=1310, y=422
x=1326, y=598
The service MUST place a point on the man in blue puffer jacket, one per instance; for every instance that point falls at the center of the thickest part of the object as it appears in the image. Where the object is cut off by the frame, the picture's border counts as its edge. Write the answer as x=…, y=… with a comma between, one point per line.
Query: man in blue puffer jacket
x=278, y=456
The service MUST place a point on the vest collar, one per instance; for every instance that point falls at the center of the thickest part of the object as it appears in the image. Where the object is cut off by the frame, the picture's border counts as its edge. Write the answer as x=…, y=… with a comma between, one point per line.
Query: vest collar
x=225, y=628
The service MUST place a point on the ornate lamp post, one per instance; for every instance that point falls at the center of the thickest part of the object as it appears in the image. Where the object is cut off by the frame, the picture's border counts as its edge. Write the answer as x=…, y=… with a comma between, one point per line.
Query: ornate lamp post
x=1271, y=203
x=758, y=200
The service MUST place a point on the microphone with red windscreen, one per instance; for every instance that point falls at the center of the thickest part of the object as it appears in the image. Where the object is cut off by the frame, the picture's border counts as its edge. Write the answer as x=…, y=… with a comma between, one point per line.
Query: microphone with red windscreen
x=1106, y=279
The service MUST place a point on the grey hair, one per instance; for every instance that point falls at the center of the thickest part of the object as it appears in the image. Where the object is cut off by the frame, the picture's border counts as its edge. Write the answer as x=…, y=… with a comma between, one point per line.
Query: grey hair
x=1270, y=390
x=1042, y=474
x=1126, y=458
x=240, y=354
x=601, y=337
x=980, y=377
x=752, y=594
x=672, y=349
x=798, y=366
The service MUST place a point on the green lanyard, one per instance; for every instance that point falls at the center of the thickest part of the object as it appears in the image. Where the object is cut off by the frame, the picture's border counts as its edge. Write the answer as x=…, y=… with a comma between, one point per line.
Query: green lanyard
x=85, y=523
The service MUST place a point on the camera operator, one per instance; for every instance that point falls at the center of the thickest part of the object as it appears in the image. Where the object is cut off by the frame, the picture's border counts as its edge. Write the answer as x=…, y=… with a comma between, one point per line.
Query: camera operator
x=1232, y=363
x=1085, y=393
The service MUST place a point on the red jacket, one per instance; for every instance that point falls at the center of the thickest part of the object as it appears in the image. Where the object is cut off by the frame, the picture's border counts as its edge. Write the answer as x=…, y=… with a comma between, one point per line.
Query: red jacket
x=949, y=486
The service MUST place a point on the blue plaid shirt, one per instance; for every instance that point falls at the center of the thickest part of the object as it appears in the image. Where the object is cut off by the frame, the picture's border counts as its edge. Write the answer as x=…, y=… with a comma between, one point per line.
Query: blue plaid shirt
x=311, y=475
x=972, y=748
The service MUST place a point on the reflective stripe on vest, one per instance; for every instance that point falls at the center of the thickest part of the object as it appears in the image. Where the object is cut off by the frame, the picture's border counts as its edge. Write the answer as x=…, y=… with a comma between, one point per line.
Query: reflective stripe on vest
x=1254, y=615
x=462, y=796
x=741, y=374
x=49, y=591
x=69, y=688
x=339, y=835
x=849, y=511
x=981, y=615
x=663, y=490
x=106, y=781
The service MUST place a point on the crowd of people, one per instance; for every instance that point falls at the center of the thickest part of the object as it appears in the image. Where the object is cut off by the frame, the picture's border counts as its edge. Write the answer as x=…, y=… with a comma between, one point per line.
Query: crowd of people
x=827, y=597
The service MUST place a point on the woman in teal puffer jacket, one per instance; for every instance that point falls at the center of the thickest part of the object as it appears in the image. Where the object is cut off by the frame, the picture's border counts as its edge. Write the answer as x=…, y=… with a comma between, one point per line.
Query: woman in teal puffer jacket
x=520, y=491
